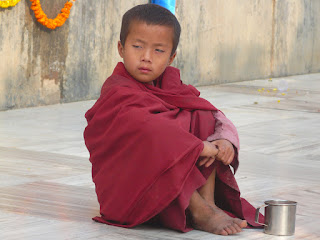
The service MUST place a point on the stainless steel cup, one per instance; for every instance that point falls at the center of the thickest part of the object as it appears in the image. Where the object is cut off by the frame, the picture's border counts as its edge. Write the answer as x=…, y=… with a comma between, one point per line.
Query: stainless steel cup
x=280, y=217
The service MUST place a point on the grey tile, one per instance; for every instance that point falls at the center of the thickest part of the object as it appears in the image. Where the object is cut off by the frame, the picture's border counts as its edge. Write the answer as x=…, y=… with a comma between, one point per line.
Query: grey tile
x=46, y=190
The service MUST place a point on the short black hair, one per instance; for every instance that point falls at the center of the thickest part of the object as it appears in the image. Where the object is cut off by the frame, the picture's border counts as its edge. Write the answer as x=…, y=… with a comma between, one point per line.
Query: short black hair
x=152, y=14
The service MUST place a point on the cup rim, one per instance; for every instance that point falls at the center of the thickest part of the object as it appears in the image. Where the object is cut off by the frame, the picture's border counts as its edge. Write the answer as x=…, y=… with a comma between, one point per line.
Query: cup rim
x=280, y=202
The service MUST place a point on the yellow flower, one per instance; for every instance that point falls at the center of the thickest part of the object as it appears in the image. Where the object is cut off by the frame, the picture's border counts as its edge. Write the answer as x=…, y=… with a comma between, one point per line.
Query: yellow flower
x=8, y=3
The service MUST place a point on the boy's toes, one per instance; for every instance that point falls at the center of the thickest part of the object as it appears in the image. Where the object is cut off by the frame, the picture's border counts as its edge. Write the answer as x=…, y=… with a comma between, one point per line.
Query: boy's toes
x=238, y=229
x=243, y=224
x=223, y=232
x=233, y=229
x=228, y=230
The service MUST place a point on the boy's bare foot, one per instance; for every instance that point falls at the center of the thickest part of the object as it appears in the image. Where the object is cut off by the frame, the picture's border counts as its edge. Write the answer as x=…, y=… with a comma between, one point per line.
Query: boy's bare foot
x=212, y=219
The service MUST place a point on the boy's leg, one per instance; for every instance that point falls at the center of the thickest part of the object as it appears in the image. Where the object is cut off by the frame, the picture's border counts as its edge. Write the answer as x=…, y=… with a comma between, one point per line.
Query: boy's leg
x=207, y=190
x=207, y=216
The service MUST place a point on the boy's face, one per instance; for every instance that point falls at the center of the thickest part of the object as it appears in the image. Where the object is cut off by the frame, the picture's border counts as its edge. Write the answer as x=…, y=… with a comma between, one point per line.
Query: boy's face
x=147, y=51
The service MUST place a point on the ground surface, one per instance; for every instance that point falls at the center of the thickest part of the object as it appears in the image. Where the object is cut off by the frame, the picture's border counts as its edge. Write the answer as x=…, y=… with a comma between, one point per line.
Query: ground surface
x=46, y=190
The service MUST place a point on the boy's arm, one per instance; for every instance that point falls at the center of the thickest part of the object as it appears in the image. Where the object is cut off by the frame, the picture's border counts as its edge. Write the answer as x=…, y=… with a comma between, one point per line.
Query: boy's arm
x=224, y=129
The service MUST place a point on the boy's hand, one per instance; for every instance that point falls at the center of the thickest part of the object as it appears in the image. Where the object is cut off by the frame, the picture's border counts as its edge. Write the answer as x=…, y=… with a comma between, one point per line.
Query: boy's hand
x=226, y=151
x=208, y=153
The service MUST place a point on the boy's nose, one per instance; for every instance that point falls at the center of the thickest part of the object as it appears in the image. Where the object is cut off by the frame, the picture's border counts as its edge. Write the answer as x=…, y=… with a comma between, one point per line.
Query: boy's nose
x=146, y=56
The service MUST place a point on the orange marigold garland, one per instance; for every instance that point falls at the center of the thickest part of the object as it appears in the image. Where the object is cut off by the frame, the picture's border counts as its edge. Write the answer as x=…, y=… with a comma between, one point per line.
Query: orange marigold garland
x=51, y=23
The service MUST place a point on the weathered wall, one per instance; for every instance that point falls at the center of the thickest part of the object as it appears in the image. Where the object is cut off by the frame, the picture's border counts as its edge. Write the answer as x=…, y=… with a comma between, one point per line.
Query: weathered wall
x=297, y=37
x=40, y=66
x=221, y=41
x=231, y=40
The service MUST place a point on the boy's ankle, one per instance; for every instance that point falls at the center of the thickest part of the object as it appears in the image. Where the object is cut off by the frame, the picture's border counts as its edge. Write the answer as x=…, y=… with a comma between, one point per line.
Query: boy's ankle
x=200, y=209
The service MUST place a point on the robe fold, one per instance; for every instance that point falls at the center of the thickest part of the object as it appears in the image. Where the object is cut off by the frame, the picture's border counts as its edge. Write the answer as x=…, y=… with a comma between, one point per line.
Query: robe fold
x=144, y=143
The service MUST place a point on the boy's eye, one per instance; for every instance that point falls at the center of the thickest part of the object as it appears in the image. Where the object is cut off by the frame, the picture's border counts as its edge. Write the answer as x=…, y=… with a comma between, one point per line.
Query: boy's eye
x=136, y=46
x=159, y=50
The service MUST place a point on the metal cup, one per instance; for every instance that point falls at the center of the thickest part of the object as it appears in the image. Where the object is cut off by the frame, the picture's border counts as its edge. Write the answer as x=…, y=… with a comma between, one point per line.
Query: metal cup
x=280, y=217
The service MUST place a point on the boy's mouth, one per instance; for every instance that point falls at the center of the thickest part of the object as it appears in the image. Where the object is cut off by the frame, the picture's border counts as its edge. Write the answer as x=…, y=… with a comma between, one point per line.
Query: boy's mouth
x=144, y=70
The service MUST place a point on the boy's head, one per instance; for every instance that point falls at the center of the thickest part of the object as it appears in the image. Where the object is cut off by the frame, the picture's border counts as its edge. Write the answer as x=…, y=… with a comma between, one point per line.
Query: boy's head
x=148, y=41
x=151, y=14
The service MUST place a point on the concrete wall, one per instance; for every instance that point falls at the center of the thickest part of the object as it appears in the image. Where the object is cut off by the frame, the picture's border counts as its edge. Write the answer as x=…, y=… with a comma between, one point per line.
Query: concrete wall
x=40, y=66
x=232, y=40
x=222, y=41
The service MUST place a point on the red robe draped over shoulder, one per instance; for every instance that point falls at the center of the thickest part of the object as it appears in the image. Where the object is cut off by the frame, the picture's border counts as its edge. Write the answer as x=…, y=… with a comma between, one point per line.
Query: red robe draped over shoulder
x=144, y=142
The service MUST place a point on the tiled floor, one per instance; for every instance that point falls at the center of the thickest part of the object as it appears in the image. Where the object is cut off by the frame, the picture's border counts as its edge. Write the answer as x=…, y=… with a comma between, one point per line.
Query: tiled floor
x=46, y=190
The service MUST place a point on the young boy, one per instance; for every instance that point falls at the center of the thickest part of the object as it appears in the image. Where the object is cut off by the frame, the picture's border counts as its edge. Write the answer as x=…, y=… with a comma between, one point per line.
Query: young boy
x=160, y=153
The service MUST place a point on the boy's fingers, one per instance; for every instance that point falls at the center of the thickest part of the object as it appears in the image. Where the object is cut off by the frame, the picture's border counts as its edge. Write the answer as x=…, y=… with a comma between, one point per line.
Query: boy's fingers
x=203, y=161
x=230, y=159
x=226, y=155
x=211, y=160
x=221, y=156
x=217, y=150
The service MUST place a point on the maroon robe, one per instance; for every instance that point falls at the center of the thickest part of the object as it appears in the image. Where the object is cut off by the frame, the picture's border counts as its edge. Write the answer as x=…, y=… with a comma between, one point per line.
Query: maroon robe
x=144, y=143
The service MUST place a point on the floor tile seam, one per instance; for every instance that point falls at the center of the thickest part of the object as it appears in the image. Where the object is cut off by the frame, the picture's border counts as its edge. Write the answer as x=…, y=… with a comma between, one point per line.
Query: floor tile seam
x=256, y=87
x=276, y=109
x=19, y=150
x=37, y=202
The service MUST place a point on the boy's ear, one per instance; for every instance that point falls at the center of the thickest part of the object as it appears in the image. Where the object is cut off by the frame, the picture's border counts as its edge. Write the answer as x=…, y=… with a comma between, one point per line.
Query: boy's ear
x=120, y=49
x=172, y=58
